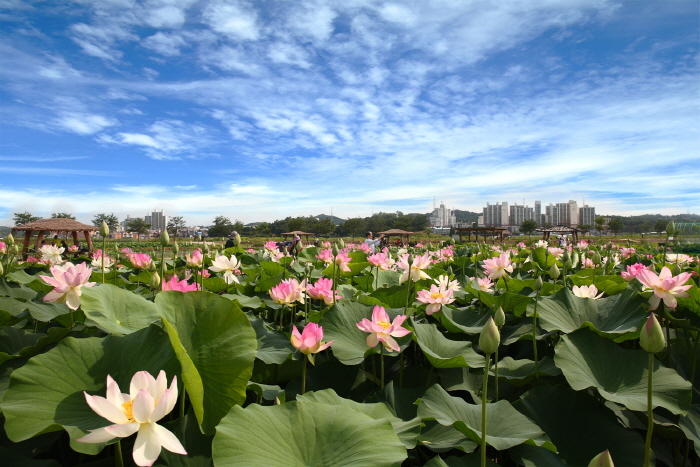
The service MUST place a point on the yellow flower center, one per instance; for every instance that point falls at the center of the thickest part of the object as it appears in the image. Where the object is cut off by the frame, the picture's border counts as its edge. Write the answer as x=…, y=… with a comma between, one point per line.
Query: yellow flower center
x=435, y=295
x=384, y=324
x=128, y=408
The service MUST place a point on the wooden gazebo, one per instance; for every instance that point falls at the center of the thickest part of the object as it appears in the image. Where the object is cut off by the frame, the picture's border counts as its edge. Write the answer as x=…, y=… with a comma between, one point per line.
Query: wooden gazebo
x=495, y=232
x=304, y=235
x=54, y=225
x=398, y=233
x=560, y=230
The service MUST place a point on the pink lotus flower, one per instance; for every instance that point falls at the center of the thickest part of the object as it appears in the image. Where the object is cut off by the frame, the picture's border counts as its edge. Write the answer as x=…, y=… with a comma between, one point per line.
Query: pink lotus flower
x=206, y=274
x=665, y=286
x=415, y=271
x=195, y=260
x=436, y=298
x=633, y=271
x=250, y=250
x=67, y=281
x=288, y=291
x=485, y=284
x=310, y=341
x=586, y=291
x=556, y=252
x=365, y=248
x=587, y=263
x=269, y=246
x=521, y=245
x=179, y=285
x=381, y=261
x=127, y=251
x=419, y=245
x=322, y=290
x=382, y=330
x=342, y=260
x=582, y=245
x=73, y=248
x=148, y=401
x=33, y=260
x=498, y=266
x=3, y=248
x=326, y=256
x=97, y=262
x=446, y=254
x=140, y=260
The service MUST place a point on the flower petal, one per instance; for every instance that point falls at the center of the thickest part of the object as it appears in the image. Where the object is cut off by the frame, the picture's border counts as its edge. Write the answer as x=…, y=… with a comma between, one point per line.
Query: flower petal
x=141, y=380
x=143, y=406
x=169, y=441
x=106, y=409
x=122, y=431
x=147, y=446
x=164, y=406
x=161, y=385
x=96, y=436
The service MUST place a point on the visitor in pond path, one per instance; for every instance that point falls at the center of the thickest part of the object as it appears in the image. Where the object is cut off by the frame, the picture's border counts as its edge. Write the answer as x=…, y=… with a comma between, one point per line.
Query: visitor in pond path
x=369, y=241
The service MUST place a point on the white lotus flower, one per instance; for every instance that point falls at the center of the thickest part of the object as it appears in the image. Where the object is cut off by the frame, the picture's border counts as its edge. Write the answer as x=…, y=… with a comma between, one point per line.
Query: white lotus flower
x=586, y=291
x=147, y=402
x=228, y=266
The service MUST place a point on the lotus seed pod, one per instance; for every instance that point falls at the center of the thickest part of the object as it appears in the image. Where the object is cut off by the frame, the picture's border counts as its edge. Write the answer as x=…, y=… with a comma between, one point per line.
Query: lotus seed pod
x=602, y=460
x=335, y=250
x=652, y=336
x=10, y=239
x=176, y=248
x=539, y=283
x=155, y=281
x=499, y=317
x=554, y=271
x=236, y=239
x=490, y=338
x=164, y=238
x=104, y=229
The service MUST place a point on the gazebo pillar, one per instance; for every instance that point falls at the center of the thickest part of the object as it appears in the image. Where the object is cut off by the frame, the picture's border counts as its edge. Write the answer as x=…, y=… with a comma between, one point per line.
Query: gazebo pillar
x=75, y=238
x=27, y=239
x=39, y=238
x=87, y=238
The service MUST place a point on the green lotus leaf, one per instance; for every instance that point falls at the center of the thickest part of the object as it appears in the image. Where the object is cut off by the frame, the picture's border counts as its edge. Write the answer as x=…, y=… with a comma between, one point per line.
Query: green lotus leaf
x=522, y=371
x=509, y=301
x=588, y=360
x=47, y=392
x=214, y=284
x=115, y=310
x=34, y=282
x=463, y=319
x=197, y=445
x=441, y=438
x=21, y=292
x=554, y=408
x=15, y=343
x=442, y=352
x=505, y=426
x=245, y=301
x=611, y=285
x=305, y=434
x=471, y=460
x=608, y=316
x=216, y=346
x=391, y=297
x=690, y=424
x=407, y=431
x=273, y=346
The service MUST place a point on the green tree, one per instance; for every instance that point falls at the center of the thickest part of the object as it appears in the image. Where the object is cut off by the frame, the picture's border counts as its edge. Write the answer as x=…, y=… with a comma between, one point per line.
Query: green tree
x=62, y=215
x=528, y=226
x=263, y=228
x=356, y=226
x=324, y=227
x=585, y=228
x=111, y=220
x=175, y=223
x=137, y=226
x=297, y=223
x=419, y=222
x=599, y=223
x=22, y=218
x=615, y=226
x=660, y=225
x=238, y=226
x=222, y=227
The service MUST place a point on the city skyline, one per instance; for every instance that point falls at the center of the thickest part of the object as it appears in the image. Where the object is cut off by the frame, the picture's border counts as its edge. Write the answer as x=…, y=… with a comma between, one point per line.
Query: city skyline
x=259, y=109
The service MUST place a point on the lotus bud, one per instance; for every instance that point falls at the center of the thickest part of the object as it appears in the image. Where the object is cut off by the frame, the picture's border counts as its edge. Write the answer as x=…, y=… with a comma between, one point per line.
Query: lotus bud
x=341, y=243
x=602, y=460
x=554, y=271
x=298, y=246
x=15, y=249
x=652, y=336
x=499, y=317
x=450, y=272
x=152, y=266
x=335, y=250
x=409, y=260
x=671, y=228
x=538, y=283
x=155, y=281
x=205, y=248
x=490, y=338
x=568, y=264
x=164, y=238
x=104, y=229
x=596, y=258
x=2, y=270
x=566, y=257
x=236, y=239
x=176, y=248
x=308, y=268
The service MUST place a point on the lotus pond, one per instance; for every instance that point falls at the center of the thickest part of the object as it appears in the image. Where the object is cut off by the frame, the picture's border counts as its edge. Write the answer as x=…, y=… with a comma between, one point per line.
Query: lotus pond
x=340, y=357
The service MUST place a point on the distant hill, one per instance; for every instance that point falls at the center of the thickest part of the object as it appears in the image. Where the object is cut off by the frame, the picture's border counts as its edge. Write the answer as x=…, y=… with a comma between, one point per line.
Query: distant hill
x=336, y=220
x=5, y=231
x=464, y=216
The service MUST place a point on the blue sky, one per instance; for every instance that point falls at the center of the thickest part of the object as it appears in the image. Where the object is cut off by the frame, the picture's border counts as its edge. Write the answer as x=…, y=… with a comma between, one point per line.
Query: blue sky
x=260, y=110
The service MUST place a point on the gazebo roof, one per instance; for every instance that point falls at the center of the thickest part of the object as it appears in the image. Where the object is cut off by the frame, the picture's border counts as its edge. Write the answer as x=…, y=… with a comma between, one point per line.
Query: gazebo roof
x=396, y=232
x=56, y=225
x=559, y=228
x=297, y=232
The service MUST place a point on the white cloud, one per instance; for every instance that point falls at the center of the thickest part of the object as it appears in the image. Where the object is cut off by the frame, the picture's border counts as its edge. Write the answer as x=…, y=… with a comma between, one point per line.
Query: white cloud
x=167, y=16
x=164, y=44
x=288, y=54
x=232, y=20
x=83, y=123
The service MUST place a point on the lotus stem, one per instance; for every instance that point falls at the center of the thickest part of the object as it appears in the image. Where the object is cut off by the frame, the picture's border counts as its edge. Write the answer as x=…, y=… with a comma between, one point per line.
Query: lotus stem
x=381, y=363
x=104, y=250
x=484, y=393
x=534, y=335
x=401, y=370
x=182, y=400
x=303, y=376
x=118, y=458
x=495, y=369
x=650, y=412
